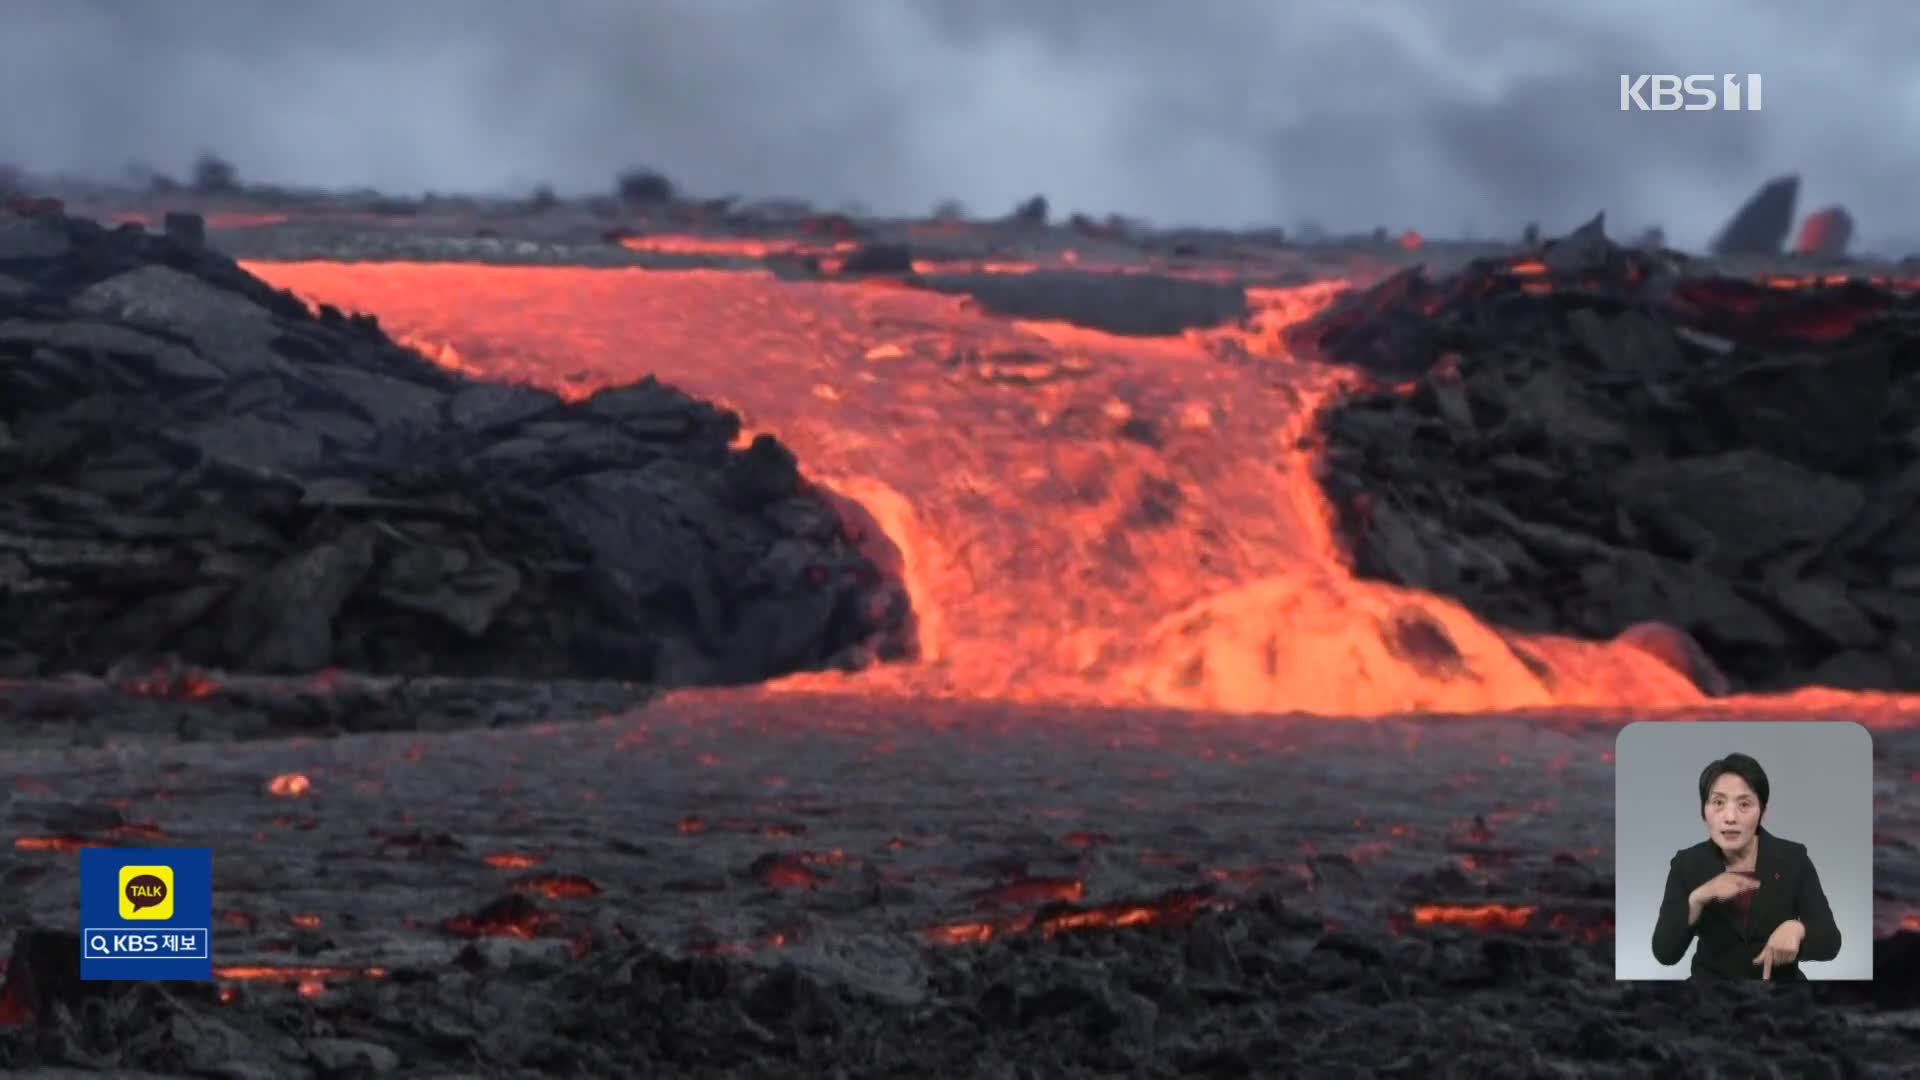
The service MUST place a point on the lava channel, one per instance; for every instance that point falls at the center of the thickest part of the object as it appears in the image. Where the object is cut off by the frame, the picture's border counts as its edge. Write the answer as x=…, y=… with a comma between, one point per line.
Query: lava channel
x=1082, y=518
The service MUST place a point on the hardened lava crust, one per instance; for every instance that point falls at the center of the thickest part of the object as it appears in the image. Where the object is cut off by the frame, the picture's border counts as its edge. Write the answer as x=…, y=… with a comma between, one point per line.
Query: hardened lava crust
x=748, y=883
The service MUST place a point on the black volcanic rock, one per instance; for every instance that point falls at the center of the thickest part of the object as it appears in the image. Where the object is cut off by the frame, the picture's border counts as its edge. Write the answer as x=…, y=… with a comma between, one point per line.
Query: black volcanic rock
x=1761, y=224
x=1606, y=438
x=879, y=259
x=194, y=465
x=1149, y=305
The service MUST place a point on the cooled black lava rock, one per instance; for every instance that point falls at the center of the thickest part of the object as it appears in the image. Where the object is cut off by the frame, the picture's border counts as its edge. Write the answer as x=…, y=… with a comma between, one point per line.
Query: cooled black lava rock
x=194, y=464
x=1150, y=305
x=1606, y=437
x=1294, y=1001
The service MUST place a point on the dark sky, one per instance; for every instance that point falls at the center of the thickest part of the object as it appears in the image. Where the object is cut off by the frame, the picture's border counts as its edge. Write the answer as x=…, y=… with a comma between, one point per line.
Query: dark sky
x=1444, y=115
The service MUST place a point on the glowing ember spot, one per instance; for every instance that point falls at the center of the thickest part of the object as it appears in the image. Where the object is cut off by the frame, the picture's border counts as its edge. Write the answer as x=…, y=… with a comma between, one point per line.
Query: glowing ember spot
x=305, y=922
x=298, y=974
x=1412, y=241
x=1479, y=833
x=239, y=919
x=1169, y=911
x=967, y=933
x=1083, y=840
x=511, y=860
x=289, y=786
x=1033, y=890
x=1476, y=916
x=1172, y=910
x=510, y=916
x=1910, y=921
x=691, y=825
x=1244, y=875
x=557, y=886
x=137, y=831
x=13, y=1007
x=777, y=871
x=67, y=842
x=1371, y=851
x=179, y=686
x=1590, y=929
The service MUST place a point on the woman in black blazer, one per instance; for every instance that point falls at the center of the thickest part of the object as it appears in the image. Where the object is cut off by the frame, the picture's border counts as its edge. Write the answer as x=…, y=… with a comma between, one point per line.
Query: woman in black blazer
x=1752, y=899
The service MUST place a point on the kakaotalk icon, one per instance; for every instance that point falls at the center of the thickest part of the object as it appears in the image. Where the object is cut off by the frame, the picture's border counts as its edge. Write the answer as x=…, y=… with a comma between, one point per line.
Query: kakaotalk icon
x=1692, y=93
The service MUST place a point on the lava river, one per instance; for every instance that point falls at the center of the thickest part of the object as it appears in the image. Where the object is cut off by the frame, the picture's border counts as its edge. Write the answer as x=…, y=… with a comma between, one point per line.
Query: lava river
x=1083, y=518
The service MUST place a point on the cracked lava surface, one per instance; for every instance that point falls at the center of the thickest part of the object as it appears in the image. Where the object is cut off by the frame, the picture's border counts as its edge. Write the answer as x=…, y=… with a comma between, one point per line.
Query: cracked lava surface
x=850, y=834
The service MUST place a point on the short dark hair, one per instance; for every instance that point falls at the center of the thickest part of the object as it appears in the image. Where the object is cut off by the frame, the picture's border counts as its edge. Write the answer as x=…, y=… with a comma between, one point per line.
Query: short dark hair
x=1741, y=766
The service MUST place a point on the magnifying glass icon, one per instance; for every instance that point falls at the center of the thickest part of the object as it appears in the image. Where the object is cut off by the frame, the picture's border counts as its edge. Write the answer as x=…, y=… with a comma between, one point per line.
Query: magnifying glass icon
x=98, y=943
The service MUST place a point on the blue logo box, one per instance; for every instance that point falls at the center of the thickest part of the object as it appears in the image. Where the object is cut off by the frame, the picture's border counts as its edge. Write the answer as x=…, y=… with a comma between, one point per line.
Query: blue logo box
x=146, y=913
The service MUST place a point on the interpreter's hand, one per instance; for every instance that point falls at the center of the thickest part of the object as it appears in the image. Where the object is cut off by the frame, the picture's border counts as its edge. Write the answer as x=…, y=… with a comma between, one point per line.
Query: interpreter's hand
x=1783, y=947
x=1726, y=887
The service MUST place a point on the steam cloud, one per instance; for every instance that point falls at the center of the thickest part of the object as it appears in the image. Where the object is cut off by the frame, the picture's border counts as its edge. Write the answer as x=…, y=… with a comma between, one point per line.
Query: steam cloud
x=1442, y=117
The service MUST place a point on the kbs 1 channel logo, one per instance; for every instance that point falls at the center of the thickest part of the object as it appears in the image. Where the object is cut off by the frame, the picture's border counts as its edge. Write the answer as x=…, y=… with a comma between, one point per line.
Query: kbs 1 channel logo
x=1690, y=93
x=146, y=913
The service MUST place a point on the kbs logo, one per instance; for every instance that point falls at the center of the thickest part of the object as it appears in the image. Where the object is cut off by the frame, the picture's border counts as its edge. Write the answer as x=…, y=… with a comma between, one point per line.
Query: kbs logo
x=1692, y=93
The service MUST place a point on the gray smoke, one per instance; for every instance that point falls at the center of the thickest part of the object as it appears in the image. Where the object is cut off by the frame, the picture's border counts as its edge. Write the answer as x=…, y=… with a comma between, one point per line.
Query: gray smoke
x=1443, y=117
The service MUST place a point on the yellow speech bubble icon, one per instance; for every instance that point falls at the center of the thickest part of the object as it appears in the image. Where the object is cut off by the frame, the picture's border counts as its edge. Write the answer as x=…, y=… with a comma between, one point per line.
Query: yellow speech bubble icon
x=146, y=892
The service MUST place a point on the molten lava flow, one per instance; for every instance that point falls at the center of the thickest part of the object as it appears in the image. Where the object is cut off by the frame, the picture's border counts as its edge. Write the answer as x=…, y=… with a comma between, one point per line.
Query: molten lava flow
x=1476, y=916
x=1078, y=517
x=1173, y=909
x=310, y=979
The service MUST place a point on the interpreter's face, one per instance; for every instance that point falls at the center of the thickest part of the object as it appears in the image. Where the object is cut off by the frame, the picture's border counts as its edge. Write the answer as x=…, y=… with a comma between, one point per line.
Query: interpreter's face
x=1732, y=813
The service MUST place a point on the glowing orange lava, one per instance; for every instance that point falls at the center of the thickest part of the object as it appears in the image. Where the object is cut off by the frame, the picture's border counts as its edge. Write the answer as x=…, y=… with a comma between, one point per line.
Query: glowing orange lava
x=289, y=786
x=299, y=974
x=1172, y=910
x=1081, y=517
x=1476, y=916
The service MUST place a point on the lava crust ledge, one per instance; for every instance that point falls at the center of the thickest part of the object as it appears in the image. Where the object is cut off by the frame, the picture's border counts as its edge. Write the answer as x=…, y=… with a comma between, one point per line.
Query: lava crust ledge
x=197, y=469
x=1596, y=439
